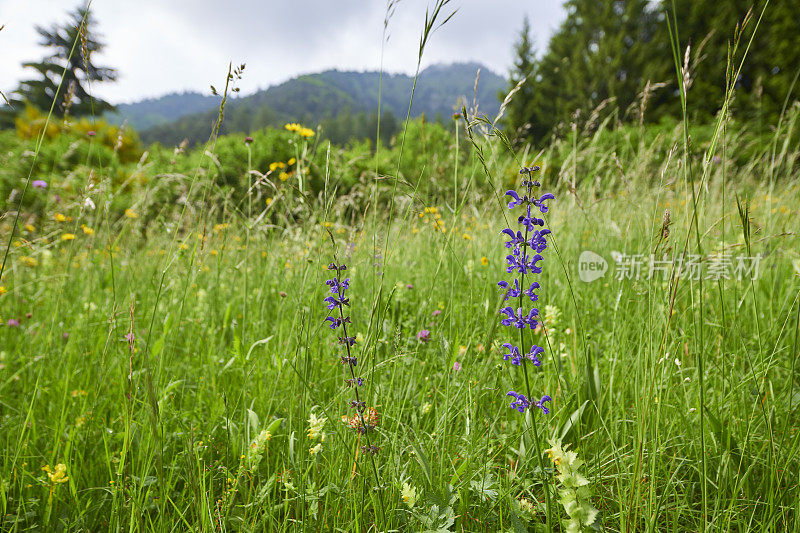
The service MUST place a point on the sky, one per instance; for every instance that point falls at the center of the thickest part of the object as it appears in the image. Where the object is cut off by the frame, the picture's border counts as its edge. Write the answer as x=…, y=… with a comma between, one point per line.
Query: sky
x=162, y=46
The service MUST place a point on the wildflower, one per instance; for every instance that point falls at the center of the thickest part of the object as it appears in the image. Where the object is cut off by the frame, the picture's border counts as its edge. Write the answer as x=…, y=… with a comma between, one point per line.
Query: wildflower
x=87, y=230
x=526, y=247
x=60, y=217
x=456, y=367
x=258, y=446
x=39, y=184
x=315, y=427
x=89, y=204
x=426, y=408
x=91, y=133
x=575, y=490
x=424, y=336
x=30, y=227
x=68, y=237
x=248, y=140
x=484, y=261
x=57, y=476
x=283, y=176
x=131, y=214
x=436, y=312
x=552, y=314
x=314, y=450
x=130, y=337
x=13, y=323
x=291, y=161
x=409, y=495
x=3, y=290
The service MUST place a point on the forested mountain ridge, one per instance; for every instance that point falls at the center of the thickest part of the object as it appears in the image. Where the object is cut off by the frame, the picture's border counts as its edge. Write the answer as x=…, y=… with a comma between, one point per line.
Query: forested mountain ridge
x=345, y=101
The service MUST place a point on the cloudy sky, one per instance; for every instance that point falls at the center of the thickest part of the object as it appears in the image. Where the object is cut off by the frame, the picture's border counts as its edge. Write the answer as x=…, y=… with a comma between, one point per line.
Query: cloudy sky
x=159, y=46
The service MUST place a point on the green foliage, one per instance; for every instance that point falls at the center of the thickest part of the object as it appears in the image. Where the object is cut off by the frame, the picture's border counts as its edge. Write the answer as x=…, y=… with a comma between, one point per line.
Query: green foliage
x=575, y=491
x=612, y=60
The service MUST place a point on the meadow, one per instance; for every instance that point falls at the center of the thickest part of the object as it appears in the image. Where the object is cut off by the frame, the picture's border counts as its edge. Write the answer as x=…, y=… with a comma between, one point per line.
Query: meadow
x=180, y=369
x=176, y=351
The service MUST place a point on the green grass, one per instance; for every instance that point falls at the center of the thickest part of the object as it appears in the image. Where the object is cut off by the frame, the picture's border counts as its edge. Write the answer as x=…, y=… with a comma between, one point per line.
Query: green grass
x=230, y=340
x=172, y=358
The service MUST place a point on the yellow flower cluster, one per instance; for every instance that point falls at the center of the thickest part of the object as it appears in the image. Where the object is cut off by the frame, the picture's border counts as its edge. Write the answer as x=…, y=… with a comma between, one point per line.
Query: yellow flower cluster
x=57, y=476
x=300, y=130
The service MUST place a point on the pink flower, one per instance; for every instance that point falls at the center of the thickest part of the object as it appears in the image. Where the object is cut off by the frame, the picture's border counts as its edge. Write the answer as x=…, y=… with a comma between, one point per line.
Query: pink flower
x=130, y=337
x=424, y=336
x=437, y=312
x=39, y=184
x=13, y=323
x=456, y=367
x=91, y=133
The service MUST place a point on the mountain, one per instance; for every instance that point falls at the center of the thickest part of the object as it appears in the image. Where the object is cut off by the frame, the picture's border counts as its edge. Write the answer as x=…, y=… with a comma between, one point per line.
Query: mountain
x=316, y=98
x=157, y=111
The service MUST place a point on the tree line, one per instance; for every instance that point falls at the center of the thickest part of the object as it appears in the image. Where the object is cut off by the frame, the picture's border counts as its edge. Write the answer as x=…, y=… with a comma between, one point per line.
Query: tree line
x=615, y=60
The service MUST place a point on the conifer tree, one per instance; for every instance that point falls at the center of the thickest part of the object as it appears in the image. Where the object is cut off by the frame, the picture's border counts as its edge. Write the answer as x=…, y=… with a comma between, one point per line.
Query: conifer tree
x=72, y=44
x=517, y=117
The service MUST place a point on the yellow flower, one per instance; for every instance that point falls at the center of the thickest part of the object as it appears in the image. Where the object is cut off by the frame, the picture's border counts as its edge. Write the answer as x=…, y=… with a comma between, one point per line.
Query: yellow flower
x=283, y=176
x=467, y=237
x=273, y=166
x=30, y=227
x=67, y=236
x=131, y=214
x=484, y=261
x=214, y=252
x=87, y=230
x=60, y=474
x=59, y=217
x=3, y=290
x=269, y=201
x=28, y=261
x=291, y=161
x=306, y=132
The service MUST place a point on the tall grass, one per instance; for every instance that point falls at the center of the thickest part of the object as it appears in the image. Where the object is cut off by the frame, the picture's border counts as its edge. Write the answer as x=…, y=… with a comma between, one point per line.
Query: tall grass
x=159, y=349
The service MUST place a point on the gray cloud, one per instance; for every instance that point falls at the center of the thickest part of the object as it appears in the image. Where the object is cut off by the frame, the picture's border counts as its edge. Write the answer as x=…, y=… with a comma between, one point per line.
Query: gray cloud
x=160, y=46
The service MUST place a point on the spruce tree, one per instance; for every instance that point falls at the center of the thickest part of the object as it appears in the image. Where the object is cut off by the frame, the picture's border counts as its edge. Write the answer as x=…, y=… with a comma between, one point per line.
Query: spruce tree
x=517, y=119
x=599, y=60
x=72, y=45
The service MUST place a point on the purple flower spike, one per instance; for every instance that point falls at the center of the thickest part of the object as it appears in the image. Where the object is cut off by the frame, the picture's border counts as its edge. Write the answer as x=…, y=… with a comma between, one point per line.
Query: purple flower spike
x=526, y=246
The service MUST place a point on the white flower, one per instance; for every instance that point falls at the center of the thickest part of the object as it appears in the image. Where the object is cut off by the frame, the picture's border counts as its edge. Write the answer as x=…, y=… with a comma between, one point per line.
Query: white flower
x=314, y=450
